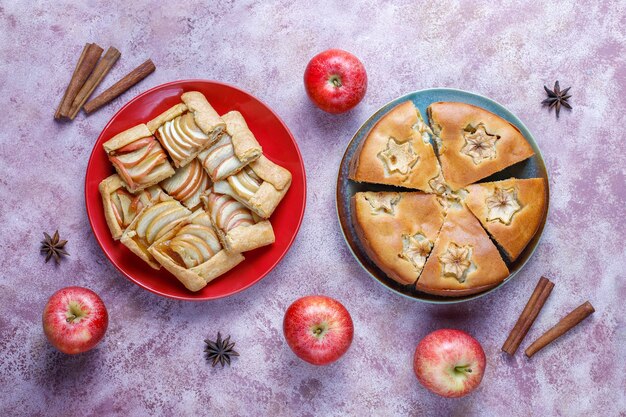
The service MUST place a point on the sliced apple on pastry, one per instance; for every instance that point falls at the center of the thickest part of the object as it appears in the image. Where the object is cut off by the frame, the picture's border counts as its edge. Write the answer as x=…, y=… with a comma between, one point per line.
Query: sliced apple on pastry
x=187, y=184
x=463, y=260
x=511, y=210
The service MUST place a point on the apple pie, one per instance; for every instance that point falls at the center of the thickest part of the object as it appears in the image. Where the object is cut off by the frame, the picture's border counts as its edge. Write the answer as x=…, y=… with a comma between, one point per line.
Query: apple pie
x=474, y=143
x=187, y=184
x=238, y=228
x=138, y=158
x=463, y=260
x=192, y=252
x=187, y=128
x=151, y=224
x=397, y=151
x=397, y=230
x=236, y=148
x=260, y=186
x=510, y=210
x=121, y=207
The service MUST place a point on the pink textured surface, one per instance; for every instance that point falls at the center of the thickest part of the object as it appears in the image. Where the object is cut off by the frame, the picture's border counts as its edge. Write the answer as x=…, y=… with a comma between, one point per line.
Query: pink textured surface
x=151, y=360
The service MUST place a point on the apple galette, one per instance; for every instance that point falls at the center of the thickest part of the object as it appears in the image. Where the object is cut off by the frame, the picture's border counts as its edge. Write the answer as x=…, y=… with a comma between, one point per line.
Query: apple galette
x=192, y=252
x=236, y=148
x=238, y=228
x=156, y=210
x=474, y=143
x=463, y=260
x=397, y=151
x=510, y=210
x=121, y=206
x=187, y=128
x=397, y=230
x=260, y=186
x=187, y=184
x=138, y=158
x=440, y=242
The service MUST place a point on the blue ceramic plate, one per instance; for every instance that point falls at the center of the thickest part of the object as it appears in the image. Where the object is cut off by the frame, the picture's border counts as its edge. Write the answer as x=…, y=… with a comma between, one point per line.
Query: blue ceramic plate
x=531, y=168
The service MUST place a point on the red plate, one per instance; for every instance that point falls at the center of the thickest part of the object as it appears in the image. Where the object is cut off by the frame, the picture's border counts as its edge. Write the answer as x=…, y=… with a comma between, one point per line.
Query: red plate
x=278, y=145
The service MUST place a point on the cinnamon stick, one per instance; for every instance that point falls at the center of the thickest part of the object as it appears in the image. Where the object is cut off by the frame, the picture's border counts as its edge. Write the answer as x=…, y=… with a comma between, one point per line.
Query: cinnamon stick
x=528, y=316
x=104, y=66
x=136, y=75
x=86, y=63
x=563, y=326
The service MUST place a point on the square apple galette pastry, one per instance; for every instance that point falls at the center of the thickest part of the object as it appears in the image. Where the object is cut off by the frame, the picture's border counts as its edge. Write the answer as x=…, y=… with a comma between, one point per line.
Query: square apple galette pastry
x=192, y=191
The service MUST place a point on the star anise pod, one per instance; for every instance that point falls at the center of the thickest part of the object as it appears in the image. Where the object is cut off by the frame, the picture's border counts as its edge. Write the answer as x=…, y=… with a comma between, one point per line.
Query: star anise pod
x=219, y=351
x=557, y=98
x=53, y=247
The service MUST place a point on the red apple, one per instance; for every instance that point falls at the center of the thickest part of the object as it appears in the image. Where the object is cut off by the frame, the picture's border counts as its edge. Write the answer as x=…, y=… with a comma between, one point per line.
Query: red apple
x=75, y=319
x=335, y=80
x=449, y=362
x=318, y=329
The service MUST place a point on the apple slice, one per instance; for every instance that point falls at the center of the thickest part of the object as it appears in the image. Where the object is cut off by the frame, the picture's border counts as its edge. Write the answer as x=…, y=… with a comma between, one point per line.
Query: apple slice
x=193, y=181
x=135, y=157
x=133, y=146
x=123, y=171
x=165, y=222
x=140, y=171
x=125, y=202
x=178, y=137
x=189, y=129
x=239, y=187
x=167, y=141
x=223, y=187
x=188, y=252
x=116, y=207
x=149, y=214
x=176, y=183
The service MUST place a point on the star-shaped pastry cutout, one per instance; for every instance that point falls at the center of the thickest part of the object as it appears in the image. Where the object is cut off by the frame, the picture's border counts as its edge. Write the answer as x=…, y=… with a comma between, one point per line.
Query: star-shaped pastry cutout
x=382, y=202
x=455, y=261
x=502, y=205
x=479, y=145
x=416, y=249
x=398, y=157
x=445, y=196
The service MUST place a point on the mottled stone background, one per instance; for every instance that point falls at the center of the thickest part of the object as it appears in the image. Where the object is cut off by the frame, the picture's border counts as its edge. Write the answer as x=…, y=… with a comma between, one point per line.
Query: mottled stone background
x=151, y=360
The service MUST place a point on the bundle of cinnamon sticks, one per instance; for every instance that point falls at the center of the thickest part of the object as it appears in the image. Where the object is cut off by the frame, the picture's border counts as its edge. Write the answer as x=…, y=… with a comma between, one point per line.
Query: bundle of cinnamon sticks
x=89, y=72
x=531, y=311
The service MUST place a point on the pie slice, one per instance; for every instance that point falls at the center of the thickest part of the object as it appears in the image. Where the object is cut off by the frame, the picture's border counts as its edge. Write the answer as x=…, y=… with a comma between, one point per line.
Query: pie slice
x=187, y=184
x=397, y=230
x=464, y=260
x=260, y=186
x=187, y=128
x=238, y=228
x=510, y=210
x=151, y=224
x=235, y=149
x=193, y=253
x=138, y=158
x=397, y=151
x=474, y=143
x=121, y=207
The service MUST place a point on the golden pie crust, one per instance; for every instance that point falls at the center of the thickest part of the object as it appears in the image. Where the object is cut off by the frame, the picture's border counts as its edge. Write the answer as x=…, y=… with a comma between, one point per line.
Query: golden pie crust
x=516, y=229
x=397, y=151
x=467, y=157
x=197, y=277
x=388, y=222
x=463, y=239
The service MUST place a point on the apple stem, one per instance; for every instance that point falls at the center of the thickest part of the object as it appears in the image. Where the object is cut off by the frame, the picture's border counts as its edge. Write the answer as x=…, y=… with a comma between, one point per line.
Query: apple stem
x=464, y=368
x=336, y=81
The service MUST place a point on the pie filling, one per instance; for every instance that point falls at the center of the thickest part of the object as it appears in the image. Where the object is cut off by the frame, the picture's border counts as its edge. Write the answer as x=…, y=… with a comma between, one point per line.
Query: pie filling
x=219, y=160
x=187, y=184
x=479, y=145
x=446, y=197
x=181, y=136
x=194, y=244
x=228, y=213
x=125, y=205
x=398, y=157
x=245, y=183
x=416, y=249
x=382, y=202
x=138, y=161
x=502, y=205
x=456, y=262
x=157, y=220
